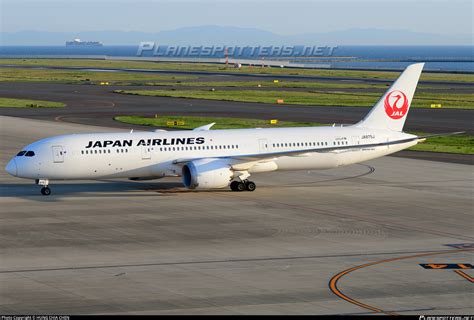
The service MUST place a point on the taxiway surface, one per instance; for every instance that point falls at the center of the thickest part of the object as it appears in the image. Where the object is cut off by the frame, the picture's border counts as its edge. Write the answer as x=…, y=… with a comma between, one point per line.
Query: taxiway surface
x=97, y=105
x=153, y=247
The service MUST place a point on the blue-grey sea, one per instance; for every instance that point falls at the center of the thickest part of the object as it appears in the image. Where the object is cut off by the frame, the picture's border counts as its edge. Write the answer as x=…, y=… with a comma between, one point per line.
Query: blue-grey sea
x=437, y=58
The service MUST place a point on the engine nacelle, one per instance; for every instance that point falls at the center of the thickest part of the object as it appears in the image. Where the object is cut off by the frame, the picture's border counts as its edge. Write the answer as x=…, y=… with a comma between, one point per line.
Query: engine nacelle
x=207, y=174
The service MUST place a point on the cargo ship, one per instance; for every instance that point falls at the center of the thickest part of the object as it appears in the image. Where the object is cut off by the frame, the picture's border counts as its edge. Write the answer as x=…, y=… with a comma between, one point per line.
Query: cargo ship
x=80, y=43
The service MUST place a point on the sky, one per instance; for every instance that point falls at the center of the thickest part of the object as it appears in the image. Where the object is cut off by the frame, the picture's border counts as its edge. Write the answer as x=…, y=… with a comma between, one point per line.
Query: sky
x=445, y=17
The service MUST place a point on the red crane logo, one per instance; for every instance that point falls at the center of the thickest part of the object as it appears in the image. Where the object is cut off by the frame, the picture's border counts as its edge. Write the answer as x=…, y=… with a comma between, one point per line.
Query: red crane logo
x=396, y=104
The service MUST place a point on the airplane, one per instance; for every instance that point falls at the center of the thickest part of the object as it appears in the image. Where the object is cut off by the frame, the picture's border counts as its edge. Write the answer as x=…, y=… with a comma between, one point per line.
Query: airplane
x=215, y=159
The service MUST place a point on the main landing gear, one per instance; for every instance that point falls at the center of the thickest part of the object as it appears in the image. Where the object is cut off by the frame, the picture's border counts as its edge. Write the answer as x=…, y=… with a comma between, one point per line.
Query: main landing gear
x=244, y=185
x=45, y=190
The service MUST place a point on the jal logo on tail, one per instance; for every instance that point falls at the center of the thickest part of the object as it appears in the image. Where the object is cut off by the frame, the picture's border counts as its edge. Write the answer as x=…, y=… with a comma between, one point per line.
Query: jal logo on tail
x=396, y=104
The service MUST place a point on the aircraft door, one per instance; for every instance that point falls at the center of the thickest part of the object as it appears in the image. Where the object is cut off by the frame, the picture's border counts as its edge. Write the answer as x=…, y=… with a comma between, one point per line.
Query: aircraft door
x=263, y=145
x=58, y=154
x=355, y=140
x=146, y=153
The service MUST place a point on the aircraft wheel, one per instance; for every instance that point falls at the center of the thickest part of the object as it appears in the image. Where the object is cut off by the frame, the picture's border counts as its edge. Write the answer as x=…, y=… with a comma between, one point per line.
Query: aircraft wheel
x=45, y=191
x=240, y=186
x=251, y=186
x=233, y=185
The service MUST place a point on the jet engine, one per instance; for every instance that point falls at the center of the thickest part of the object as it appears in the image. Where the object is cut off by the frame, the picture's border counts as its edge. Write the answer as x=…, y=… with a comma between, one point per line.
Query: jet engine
x=207, y=174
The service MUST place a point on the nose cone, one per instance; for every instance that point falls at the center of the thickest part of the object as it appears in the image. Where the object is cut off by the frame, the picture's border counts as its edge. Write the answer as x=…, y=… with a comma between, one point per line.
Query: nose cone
x=11, y=167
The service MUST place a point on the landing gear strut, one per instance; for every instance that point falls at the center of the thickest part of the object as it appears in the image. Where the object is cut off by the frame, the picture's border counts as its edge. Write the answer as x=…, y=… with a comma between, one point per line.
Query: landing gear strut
x=45, y=190
x=243, y=185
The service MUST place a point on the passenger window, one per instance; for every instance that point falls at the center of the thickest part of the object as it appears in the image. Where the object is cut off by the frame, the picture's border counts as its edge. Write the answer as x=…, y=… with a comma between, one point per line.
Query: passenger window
x=29, y=154
x=21, y=153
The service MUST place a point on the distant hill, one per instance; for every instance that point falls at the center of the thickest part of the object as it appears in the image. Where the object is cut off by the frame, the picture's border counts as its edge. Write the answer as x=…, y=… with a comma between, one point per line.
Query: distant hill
x=225, y=35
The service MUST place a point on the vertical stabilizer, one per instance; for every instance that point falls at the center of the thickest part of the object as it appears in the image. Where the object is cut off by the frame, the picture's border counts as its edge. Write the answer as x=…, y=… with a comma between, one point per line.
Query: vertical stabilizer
x=390, y=112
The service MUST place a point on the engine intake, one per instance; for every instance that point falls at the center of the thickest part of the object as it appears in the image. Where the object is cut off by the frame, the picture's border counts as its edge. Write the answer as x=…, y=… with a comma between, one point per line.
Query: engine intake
x=207, y=174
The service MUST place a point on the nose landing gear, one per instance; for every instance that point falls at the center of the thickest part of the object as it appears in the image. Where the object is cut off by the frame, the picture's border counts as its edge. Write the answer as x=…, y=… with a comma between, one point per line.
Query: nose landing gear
x=45, y=190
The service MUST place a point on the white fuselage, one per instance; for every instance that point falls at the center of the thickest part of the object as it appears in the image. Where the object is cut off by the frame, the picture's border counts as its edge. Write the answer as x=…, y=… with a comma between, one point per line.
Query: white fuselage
x=157, y=153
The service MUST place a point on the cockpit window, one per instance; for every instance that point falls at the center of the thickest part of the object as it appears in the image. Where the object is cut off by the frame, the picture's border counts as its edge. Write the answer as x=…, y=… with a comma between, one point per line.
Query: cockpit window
x=29, y=154
x=21, y=153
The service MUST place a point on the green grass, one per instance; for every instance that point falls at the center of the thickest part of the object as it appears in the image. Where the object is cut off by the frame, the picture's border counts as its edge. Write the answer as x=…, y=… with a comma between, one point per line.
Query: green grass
x=221, y=68
x=221, y=123
x=463, y=144
x=265, y=84
x=128, y=78
x=271, y=84
x=86, y=77
x=322, y=98
x=163, y=80
x=23, y=103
